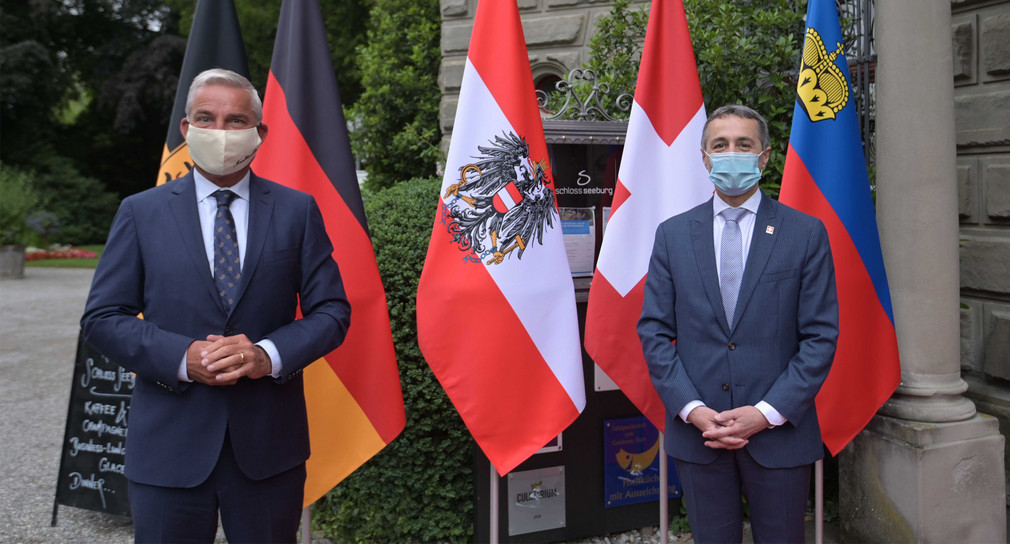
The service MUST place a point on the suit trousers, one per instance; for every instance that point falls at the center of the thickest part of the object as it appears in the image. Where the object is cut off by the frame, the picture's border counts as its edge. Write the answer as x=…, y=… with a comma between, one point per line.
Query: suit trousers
x=777, y=498
x=267, y=510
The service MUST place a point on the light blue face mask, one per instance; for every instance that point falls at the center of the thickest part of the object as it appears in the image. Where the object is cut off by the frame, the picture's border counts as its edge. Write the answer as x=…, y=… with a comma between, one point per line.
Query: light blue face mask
x=734, y=173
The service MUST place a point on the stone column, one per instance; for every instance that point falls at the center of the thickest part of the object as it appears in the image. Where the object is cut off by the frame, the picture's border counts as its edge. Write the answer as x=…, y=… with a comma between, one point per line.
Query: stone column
x=928, y=468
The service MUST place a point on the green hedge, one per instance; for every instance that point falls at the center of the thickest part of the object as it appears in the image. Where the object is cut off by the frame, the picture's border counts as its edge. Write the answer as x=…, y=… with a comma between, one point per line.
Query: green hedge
x=420, y=487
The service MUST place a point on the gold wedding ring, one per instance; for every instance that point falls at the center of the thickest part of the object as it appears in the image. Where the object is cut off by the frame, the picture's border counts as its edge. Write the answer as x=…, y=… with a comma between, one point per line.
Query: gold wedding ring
x=242, y=355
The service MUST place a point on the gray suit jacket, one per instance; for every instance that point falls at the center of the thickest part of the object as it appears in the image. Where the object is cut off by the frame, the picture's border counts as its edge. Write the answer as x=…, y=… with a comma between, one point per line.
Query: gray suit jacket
x=780, y=349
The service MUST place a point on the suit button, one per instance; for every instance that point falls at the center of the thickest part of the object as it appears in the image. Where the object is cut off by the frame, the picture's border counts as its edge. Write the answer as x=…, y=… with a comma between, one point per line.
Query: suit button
x=732, y=346
x=725, y=387
x=229, y=331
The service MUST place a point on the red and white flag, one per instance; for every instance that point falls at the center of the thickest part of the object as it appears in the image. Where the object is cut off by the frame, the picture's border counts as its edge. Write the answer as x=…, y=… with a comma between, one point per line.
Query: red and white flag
x=496, y=316
x=661, y=175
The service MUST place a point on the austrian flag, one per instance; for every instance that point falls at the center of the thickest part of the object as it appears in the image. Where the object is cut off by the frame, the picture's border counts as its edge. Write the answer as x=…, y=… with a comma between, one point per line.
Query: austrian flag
x=496, y=317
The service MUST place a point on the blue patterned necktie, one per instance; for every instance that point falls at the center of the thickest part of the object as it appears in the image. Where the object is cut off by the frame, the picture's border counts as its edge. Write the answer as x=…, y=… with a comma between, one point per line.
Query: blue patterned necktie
x=227, y=266
x=731, y=261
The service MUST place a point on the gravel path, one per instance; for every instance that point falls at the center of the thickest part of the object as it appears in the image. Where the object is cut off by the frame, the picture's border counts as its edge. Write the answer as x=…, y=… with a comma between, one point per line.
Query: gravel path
x=39, y=318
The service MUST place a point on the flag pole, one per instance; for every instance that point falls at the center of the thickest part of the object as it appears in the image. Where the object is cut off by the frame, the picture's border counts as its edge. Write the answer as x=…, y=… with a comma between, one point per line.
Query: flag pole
x=493, y=535
x=664, y=494
x=819, y=501
x=307, y=525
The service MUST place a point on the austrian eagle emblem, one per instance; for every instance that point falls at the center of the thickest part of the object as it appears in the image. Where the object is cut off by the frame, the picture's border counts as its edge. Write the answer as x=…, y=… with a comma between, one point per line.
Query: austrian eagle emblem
x=502, y=204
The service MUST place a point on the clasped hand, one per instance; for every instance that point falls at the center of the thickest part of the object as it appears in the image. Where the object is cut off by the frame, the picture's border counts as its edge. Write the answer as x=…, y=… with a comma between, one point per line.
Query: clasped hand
x=222, y=360
x=729, y=430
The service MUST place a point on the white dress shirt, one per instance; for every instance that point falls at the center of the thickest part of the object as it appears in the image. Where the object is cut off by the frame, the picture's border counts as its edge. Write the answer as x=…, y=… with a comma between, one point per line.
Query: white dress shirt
x=746, y=224
x=207, y=208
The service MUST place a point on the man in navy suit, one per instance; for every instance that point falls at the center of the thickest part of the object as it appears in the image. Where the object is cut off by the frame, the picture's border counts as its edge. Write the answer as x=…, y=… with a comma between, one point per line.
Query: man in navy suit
x=738, y=327
x=218, y=262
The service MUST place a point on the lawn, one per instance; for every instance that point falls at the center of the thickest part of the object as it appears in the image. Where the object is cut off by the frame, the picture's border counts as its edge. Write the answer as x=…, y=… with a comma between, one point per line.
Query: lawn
x=90, y=262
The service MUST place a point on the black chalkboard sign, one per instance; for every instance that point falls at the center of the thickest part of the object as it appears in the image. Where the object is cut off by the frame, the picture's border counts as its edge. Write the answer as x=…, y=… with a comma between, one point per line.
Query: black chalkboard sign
x=94, y=442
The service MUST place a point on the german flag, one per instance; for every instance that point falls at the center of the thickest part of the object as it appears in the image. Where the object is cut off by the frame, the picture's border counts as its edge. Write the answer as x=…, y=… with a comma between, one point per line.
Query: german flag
x=353, y=395
x=215, y=41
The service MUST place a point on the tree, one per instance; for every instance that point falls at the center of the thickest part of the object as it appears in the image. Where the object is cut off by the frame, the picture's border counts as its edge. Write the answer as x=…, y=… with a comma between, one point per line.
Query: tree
x=76, y=110
x=615, y=51
x=396, y=131
x=345, y=22
x=748, y=53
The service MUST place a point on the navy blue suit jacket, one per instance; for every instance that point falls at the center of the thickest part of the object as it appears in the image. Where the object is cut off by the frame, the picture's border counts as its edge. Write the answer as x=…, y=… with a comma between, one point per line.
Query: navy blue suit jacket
x=780, y=349
x=155, y=263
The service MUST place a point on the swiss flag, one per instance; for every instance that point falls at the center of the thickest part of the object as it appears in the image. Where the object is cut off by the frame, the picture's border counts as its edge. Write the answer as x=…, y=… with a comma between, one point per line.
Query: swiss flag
x=661, y=175
x=496, y=316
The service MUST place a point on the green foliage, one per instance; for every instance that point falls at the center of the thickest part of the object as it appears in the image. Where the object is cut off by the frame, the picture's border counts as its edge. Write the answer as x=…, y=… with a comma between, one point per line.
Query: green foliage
x=83, y=207
x=396, y=132
x=616, y=50
x=614, y=55
x=420, y=487
x=345, y=22
x=679, y=523
x=17, y=200
x=748, y=53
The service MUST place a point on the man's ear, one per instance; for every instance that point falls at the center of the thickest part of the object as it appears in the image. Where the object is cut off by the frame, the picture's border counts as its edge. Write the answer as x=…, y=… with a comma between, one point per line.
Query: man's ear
x=763, y=160
x=184, y=127
x=262, y=129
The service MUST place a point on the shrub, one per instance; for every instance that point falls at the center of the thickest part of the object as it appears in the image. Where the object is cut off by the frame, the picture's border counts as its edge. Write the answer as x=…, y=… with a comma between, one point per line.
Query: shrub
x=396, y=133
x=17, y=200
x=748, y=53
x=420, y=487
x=614, y=55
x=83, y=207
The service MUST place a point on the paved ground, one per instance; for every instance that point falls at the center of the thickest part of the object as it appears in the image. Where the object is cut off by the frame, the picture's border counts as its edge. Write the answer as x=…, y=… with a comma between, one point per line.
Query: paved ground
x=38, y=337
x=39, y=318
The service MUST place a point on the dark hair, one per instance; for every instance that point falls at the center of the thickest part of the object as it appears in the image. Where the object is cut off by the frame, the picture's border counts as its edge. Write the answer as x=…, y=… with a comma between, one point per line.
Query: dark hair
x=737, y=110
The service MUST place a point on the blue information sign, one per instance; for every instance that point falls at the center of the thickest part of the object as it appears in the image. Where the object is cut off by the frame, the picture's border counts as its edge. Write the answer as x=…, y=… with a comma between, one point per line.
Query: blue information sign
x=631, y=463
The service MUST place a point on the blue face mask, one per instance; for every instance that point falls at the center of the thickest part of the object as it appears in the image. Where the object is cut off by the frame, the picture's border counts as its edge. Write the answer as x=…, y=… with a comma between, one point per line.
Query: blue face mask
x=734, y=173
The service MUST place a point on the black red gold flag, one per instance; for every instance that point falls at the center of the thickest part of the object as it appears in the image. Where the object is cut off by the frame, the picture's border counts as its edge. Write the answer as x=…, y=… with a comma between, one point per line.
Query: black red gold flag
x=215, y=41
x=353, y=395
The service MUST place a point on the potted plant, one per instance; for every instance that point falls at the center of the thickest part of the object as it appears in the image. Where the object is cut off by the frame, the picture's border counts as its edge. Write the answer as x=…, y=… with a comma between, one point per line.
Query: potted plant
x=17, y=200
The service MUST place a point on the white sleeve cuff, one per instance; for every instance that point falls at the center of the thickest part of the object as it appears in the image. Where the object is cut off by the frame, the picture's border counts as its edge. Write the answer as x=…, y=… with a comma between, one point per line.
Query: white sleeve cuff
x=183, y=374
x=771, y=414
x=686, y=410
x=275, y=356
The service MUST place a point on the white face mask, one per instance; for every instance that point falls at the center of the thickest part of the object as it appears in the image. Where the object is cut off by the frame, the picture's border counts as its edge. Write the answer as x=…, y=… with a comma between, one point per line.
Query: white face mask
x=222, y=152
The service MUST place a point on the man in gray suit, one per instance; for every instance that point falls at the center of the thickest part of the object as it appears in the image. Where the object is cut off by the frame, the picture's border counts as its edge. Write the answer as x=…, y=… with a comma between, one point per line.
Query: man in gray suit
x=738, y=327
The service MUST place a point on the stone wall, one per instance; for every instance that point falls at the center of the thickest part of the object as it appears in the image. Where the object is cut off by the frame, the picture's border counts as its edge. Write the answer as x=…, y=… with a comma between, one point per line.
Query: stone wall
x=557, y=39
x=981, y=40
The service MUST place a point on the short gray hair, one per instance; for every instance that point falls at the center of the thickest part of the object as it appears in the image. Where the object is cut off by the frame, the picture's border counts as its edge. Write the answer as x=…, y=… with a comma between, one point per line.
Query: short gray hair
x=220, y=76
x=737, y=110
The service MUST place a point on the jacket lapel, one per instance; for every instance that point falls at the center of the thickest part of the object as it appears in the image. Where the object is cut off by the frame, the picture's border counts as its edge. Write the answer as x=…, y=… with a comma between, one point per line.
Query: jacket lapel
x=703, y=242
x=187, y=220
x=761, y=245
x=261, y=207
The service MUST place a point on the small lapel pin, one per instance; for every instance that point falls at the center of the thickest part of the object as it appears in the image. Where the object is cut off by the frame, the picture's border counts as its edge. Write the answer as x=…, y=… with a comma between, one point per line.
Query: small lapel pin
x=769, y=230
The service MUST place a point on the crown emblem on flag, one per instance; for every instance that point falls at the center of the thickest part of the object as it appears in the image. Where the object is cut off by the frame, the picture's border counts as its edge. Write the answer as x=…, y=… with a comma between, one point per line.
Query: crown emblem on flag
x=822, y=88
x=502, y=203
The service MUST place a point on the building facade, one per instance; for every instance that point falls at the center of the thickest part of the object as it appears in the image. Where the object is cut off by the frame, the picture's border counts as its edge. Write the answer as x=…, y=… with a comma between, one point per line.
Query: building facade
x=981, y=41
x=558, y=32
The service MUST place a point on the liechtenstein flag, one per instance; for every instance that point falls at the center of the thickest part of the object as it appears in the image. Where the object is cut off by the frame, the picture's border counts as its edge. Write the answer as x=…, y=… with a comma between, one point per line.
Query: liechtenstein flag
x=825, y=176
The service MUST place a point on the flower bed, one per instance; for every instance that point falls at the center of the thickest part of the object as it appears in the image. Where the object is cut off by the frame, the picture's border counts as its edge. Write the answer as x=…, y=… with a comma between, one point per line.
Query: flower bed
x=57, y=252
